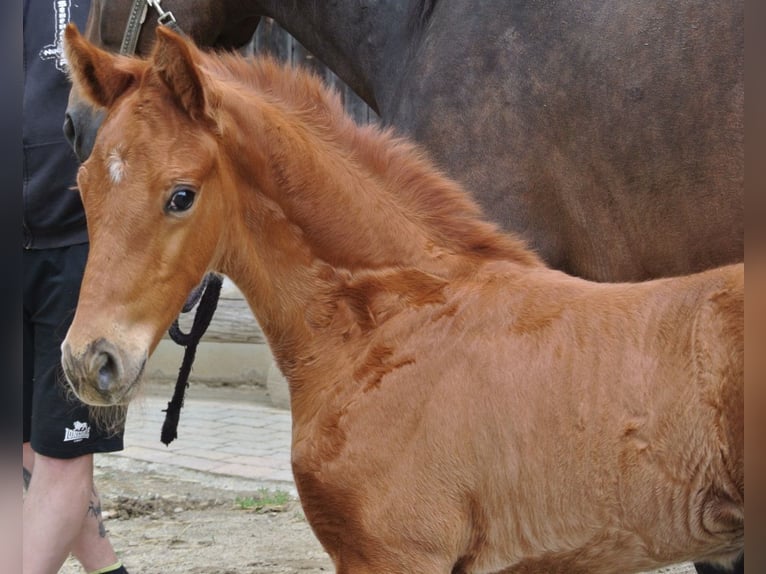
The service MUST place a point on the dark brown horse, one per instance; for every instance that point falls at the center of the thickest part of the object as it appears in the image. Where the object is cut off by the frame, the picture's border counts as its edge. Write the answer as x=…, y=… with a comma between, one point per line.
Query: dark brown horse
x=608, y=134
x=458, y=407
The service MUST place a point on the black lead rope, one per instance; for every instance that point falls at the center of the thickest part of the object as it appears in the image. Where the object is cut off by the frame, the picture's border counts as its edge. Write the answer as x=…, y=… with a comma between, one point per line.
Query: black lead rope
x=207, y=305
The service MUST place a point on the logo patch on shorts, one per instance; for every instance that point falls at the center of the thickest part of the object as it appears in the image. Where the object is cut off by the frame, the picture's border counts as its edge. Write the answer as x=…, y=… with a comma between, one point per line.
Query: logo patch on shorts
x=79, y=432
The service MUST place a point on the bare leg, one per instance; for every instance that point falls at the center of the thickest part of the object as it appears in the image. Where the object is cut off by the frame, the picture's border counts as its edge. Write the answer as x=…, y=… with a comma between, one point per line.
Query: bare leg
x=92, y=547
x=62, y=514
x=28, y=463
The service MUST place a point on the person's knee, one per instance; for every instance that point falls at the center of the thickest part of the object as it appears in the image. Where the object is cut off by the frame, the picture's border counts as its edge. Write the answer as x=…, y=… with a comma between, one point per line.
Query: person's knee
x=27, y=463
x=62, y=469
x=28, y=456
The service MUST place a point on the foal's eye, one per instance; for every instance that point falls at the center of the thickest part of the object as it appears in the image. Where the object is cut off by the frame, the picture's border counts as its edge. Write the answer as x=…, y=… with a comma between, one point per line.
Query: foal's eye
x=181, y=200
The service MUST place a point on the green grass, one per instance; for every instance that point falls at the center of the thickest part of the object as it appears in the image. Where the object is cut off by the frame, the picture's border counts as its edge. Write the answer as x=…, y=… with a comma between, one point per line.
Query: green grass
x=264, y=499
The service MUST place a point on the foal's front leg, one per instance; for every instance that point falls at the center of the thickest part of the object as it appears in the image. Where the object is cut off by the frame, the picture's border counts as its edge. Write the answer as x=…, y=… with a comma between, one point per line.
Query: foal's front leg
x=356, y=565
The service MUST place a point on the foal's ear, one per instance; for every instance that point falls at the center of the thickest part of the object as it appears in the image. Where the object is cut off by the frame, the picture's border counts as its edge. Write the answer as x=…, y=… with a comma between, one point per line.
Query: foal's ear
x=99, y=76
x=175, y=60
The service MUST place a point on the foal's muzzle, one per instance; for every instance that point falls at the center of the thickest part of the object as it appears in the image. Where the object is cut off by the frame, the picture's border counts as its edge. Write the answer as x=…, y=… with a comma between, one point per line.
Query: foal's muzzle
x=102, y=374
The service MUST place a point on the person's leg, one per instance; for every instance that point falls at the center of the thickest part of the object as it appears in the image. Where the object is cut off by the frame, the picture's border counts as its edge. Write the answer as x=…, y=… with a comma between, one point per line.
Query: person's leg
x=28, y=463
x=61, y=510
x=61, y=515
x=91, y=546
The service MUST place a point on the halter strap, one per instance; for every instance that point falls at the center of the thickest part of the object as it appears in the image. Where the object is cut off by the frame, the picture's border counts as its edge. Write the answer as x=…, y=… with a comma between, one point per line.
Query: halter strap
x=165, y=18
x=136, y=20
x=133, y=27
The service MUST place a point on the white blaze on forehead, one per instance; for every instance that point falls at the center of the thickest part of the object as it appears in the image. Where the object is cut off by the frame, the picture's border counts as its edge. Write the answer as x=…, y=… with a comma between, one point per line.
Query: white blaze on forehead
x=116, y=166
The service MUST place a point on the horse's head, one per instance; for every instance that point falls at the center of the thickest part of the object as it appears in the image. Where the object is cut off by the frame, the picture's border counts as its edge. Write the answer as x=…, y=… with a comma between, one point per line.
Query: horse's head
x=151, y=191
x=209, y=22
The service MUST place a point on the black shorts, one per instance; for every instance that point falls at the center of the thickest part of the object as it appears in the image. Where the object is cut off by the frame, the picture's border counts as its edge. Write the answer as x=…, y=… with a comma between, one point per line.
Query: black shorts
x=56, y=423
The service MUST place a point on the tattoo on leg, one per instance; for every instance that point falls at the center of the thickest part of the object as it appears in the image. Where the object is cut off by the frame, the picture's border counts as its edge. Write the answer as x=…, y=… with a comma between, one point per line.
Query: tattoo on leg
x=94, y=510
x=27, y=477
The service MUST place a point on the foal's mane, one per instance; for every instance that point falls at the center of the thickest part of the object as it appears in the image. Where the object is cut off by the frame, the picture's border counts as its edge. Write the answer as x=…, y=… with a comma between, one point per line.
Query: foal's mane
x=442, y=205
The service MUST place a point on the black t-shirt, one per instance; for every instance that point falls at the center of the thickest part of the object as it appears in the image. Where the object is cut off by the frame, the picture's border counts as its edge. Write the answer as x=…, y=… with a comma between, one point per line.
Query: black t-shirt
x=53, y=213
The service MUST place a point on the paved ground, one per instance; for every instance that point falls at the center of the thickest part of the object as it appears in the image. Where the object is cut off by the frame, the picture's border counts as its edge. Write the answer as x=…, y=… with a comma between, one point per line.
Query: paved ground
x=227, y=432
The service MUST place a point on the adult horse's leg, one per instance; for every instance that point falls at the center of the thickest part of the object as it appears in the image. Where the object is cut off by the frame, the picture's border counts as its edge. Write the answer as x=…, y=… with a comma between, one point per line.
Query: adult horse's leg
x=737, y=568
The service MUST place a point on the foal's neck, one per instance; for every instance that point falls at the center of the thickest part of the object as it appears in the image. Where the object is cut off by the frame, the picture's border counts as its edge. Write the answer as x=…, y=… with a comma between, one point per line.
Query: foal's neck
x=362, y=199
x=338, y=226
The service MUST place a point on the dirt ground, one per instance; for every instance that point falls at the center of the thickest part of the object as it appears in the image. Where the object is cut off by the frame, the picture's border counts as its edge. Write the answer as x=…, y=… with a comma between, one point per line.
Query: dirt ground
x=164, y=520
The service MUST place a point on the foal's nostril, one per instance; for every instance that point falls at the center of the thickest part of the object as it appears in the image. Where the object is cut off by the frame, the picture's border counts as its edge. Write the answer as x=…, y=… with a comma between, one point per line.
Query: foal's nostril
x=104, y=366
x=107, y=371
